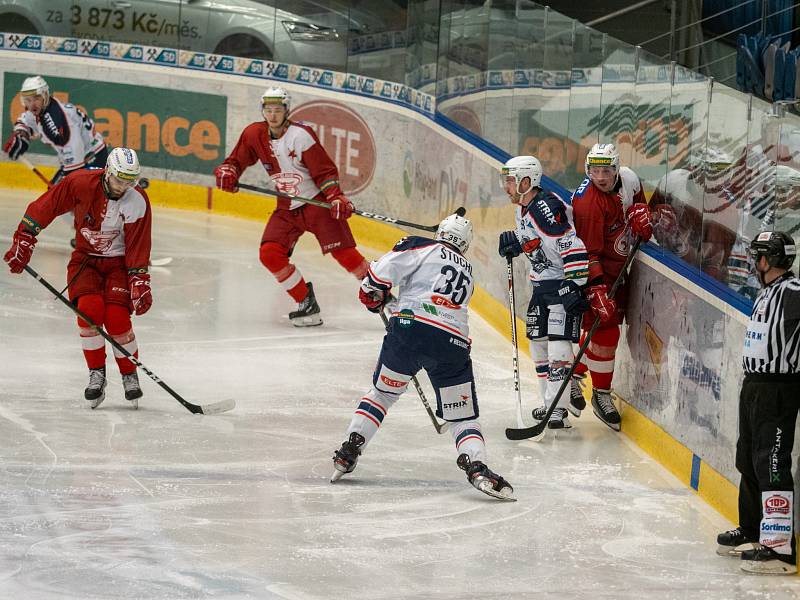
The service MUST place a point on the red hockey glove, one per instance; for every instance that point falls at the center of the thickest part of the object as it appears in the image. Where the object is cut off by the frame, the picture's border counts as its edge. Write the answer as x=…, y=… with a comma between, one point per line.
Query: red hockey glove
x=341, y=208
x=21, y=250
x=227, y=177
x=639, y=219
x=602, y=306
x=374, y=300
x=141, y=298
x=17, y=144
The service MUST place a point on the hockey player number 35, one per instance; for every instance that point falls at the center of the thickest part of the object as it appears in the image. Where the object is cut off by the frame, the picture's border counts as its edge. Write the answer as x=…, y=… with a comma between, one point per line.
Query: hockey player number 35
x=452, y=283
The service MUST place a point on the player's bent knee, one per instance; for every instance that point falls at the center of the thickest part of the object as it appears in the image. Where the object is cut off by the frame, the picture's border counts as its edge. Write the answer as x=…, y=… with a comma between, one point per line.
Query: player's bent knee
x=559, y=351
x=273, y=256
x=93, y=306
x=390, y=382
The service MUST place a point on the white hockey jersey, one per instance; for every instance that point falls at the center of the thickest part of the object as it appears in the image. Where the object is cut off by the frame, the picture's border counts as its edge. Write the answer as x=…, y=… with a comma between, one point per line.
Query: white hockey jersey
x=66, y=129
x=435, y=283
x=545, y=232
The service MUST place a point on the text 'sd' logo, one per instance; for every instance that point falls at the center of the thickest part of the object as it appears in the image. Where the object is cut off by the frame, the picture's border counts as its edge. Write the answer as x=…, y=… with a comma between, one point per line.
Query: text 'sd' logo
x=347, y=139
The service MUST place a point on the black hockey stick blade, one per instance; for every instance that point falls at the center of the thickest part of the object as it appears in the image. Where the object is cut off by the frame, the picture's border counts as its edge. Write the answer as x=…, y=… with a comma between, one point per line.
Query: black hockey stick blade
x=526, y=433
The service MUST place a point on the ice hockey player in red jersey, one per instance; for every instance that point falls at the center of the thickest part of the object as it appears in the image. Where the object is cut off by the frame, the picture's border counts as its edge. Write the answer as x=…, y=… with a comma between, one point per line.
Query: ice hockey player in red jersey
x=107, y=273
x=298, y=165
x=429, y=330
x=609, y=209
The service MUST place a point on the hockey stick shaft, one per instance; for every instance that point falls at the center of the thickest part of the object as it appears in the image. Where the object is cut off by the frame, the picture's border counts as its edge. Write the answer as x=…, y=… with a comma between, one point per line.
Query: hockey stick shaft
x=315, y=202
x=36, y=171
x=193, y=408
x=538, y=429
x=515, y=345
x=440, y=427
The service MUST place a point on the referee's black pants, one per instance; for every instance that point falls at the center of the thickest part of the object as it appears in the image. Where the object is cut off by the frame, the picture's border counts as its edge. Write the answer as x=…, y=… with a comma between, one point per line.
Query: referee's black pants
x=768, y=409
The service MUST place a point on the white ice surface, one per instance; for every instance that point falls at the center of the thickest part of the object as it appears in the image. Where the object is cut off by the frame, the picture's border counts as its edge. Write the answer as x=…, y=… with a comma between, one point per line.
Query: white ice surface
x=163, y=504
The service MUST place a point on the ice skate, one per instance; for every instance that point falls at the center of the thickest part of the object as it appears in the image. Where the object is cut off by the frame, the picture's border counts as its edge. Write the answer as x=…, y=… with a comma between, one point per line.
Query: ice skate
x=95, y=392
x=603, y=407
x=539, y=413
x=765, y=561
x=483, y=479
x=559, y=419
x=733, y=543
x=307, y=313
x=576, y=400
x=346, y=458
x=132, y=390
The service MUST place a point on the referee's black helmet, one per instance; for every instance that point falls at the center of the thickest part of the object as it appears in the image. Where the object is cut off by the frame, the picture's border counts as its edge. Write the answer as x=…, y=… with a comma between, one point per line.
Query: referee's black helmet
x=778, y=247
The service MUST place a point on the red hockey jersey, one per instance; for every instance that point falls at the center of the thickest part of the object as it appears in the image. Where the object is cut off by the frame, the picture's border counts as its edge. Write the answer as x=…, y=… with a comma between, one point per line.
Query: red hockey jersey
x=600, y=222
x=296, y=162
x=104, y=227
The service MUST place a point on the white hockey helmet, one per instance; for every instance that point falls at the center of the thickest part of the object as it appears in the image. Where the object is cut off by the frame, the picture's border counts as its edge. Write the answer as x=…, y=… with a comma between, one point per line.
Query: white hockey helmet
x=275, y=95
x=123, y=164
x=519, y=168
x=34, y=86
x=602, y=155
x=455, y=230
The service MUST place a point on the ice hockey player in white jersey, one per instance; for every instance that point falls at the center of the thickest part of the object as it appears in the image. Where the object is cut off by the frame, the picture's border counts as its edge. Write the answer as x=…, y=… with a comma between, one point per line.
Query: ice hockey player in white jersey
x=559, y=271
x=428, y=330
x=62, y=126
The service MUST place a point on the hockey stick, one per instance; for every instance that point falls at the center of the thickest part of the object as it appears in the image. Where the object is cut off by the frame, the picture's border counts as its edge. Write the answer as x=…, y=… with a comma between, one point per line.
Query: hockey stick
x=206, y=409
x=537, y=431
x=512, y=311
x=315, y=202
x=440, y=427
x=38, y=173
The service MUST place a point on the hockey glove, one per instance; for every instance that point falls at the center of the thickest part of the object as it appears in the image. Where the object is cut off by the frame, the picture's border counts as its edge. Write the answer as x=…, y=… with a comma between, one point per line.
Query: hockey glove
x=572, y=298
x=227, y=177
x=341, y=208
x=141, y=298
x=602, y=306
x=639, y=219
x=21, y=250
x=17, y=144
x=509, y=245
x=374, y=300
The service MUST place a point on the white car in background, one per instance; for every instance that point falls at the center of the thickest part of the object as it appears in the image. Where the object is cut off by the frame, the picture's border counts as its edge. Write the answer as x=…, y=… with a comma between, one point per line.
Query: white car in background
x=312, y=34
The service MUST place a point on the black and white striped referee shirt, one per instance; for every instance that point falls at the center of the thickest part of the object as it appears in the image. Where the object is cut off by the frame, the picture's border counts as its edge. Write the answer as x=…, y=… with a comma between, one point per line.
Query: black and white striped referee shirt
x=772, y=340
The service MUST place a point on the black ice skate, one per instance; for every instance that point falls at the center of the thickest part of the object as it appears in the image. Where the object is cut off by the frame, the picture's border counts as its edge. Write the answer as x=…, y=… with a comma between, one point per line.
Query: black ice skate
x=95, y=392
x=733, y=543
x=132, y=390
x=603, y=407
x=307, y=313
x=483, y=479
x=539, y=413
x=346, y=458
x=576, y=400
x=559, y=419
x=765, y=561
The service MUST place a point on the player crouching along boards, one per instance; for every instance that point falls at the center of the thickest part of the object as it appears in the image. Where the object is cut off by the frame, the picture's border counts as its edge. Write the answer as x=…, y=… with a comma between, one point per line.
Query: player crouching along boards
x=428, y=330
x=559, y=271
x=107, y=272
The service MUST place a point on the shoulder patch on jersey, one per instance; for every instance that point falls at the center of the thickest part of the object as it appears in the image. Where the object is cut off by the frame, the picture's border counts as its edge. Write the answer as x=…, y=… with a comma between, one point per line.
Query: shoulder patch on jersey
x=549, y=213
x=412, y=242
x=581, y=190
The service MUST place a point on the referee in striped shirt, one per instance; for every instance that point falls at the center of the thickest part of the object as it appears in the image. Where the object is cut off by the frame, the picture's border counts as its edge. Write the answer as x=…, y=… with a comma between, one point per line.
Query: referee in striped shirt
x=768, y=407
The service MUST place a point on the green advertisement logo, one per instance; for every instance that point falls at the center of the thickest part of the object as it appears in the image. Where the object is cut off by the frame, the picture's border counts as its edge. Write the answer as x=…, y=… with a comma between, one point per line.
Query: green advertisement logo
x=169, y=129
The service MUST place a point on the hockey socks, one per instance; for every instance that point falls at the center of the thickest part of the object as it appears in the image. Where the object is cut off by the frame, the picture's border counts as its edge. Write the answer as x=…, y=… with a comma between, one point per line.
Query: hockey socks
x=117, y=322
x=352, y=261
x=276, y=259
x=468, y=439
x=369, y=414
